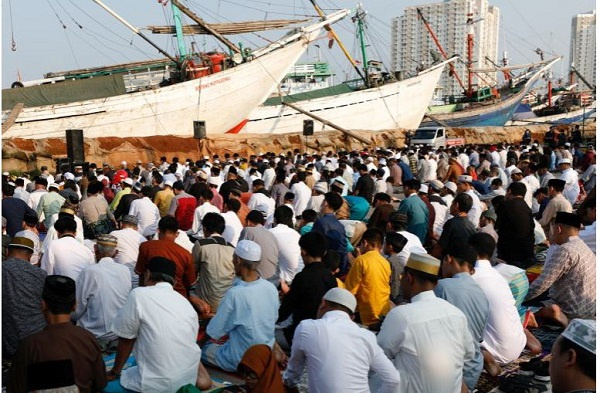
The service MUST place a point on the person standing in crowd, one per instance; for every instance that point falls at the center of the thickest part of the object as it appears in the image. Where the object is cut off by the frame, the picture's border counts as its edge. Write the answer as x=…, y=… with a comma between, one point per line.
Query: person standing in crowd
x=63, y=355
x=569, y=273
x=415, y=209
x=307, y=288
x=322, y=345
x=515, y=228
x=429, y=331
x=247, y=313
x=125, y=203
x=161, y=328
x=268, y=267
x=458, y=228
x=465, y=185
x=383, y=208
x=365, y=186
x=571, y=178
x=49, y=204
x=128, y=246
x=165, y=246
x=369, y=280
x=126, y=185
x=40, y=185
x=94, y=211
x=22, y=285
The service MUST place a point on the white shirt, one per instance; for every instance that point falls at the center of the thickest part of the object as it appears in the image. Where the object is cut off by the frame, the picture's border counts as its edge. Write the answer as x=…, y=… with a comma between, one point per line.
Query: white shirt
x=588, y=235
x=475, y=213
x=101, y=290
x=269, y=178
x=128, y=245
x=571, y=178
x=35, y=197
x=147, y=214
x=315, y=202
x=440, y=217
x=333, y=365
x=233, y=227
x=199, y=214
x=259, y=201
x=413, y=244
x=503, y=337
x=301, y=197
x=431, y=169
x=290, y=261
x=52, y=235
x=429, y=342
x=533, y=182
x=37, y=247
x=21, y=193
x=165, y=362
x=67, y=257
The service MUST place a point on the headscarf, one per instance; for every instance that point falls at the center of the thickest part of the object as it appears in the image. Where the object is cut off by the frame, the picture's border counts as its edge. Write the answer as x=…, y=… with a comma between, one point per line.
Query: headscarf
x=260, y=359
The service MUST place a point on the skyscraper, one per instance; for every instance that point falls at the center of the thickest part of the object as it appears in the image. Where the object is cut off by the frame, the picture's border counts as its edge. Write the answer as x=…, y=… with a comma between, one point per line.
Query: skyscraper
x=412, y=45
x=583, y=47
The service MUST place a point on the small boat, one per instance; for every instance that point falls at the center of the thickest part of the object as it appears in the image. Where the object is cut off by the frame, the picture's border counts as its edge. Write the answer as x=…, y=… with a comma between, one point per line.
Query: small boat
x=203, y=88
x=380, y=103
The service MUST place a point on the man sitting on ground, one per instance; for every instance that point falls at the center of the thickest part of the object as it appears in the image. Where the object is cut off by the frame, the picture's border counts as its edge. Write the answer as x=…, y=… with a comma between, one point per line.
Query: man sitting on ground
x=247, y=313
x=161, y=327
x=62, y=354
x=334, y=365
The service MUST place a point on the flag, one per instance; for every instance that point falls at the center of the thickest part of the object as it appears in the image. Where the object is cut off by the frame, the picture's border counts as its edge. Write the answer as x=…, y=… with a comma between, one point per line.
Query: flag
x=330, y=36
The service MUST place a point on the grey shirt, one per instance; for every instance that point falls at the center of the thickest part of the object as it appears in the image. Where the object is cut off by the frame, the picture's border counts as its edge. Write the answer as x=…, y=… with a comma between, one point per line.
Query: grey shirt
x=464, y=293
x=268, y=268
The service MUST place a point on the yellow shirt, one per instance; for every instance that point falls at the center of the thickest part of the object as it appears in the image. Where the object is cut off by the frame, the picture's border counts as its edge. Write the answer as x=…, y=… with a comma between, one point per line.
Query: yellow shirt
x=115, y=202
x=162, y=200
x=369, y=280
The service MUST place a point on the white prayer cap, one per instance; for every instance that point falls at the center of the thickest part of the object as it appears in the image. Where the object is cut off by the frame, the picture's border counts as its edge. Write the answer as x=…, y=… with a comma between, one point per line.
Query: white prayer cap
x=382, y=161
x=123, y=162
x=128, y=181
x=516, y=171
x=451, y=186
x=321, y=187
x=54, y=185
x=169, y=183
x=248, y=250
x=5, y=174
x=564, y=161
x=583, y=333
x=424, y=188
x=424, y=263
x=342, y=297
x=436, y=184
x=69, y=176
x=465, y=179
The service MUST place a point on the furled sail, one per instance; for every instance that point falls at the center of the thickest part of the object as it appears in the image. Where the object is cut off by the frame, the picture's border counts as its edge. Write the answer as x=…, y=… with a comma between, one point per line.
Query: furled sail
x=229, y=27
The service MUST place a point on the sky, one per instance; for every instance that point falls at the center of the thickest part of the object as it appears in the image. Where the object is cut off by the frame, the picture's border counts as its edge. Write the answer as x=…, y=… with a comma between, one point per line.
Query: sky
x=93, y=38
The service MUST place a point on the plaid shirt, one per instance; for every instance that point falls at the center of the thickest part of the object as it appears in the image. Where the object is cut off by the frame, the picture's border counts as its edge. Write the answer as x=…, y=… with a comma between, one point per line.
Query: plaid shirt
x=570, y=273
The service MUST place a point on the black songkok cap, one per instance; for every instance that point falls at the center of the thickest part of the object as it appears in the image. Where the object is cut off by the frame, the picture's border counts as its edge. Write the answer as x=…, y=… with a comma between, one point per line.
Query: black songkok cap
x=557, y=183
x=59, y=289
x=570, y=219
x=162, y=265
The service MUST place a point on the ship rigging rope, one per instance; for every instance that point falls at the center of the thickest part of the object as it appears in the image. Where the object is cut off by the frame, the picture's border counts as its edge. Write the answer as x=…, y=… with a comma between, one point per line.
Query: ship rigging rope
x=13, y=43
x=65, y=31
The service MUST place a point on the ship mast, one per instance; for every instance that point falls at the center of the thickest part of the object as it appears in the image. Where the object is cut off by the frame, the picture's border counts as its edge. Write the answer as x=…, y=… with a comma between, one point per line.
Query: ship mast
x=359, y=18
x=439, y=46
x=337, y=39
x=470, y=44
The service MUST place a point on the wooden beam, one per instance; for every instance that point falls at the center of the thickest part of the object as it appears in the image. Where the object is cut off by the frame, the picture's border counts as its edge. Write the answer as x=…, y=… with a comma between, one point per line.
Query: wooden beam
x=12, y=117
x=330, y=124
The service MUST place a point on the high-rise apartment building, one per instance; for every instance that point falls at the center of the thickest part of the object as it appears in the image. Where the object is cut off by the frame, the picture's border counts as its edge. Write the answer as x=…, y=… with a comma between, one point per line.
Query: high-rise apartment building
x=412, y=44
x=583, y=47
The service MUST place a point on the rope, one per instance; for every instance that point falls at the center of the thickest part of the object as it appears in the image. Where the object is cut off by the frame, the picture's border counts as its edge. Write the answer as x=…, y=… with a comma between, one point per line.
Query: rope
x=13, y=43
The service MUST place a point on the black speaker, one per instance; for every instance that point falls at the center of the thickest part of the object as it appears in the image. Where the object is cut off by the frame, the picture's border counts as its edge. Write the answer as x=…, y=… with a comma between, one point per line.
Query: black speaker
x=309, y=128
x=75, y=145
x=199, y=129
x=63, y=165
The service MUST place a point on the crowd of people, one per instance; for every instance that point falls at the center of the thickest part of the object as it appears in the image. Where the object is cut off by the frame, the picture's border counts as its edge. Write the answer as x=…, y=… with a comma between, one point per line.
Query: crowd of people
x=393, y=270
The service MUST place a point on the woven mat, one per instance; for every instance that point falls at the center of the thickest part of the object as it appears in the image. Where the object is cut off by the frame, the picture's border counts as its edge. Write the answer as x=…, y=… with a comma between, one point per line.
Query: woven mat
x=546, y=335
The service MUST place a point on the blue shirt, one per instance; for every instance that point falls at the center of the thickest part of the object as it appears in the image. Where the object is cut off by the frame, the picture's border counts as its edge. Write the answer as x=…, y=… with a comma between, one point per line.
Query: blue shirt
x=247, y=313
x=418, y=216
x=335, y=233
x=359, y=207
x=406, y=172
x=466, y=295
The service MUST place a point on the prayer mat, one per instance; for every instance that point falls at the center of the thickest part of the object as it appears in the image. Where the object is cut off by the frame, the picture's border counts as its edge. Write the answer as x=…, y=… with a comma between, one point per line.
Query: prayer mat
x=545, y=334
